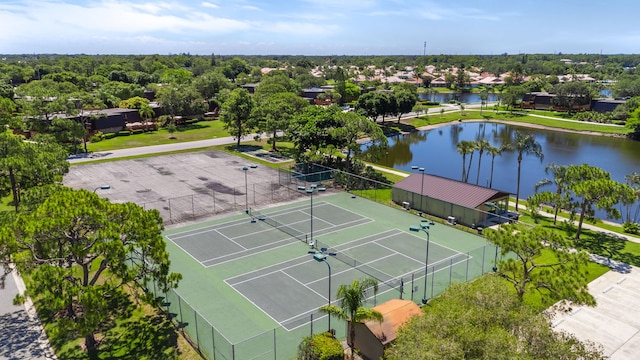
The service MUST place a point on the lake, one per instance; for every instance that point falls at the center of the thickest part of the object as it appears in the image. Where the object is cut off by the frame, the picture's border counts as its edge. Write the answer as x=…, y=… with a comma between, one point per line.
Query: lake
x=435, y=150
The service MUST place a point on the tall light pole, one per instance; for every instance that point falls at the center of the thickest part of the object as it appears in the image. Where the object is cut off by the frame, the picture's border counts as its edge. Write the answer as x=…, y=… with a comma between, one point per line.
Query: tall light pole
x=310, y=191
x=102, y=187
x=322, y=256
x=424, y=227
x=420, y=169
x=246, y=187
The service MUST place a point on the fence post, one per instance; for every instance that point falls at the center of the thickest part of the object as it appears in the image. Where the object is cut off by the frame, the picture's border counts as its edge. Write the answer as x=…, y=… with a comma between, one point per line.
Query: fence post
x=170, y=218
x=466, y=277
x=450, y=271
x=233, y=351
x=274, y=345
x=484, y=248
x=195, y=317
x=180, y=311
x=254, y=194
x=412, y=275
x=433, y=276
x=193, y=208
x=213, y=342
x=214, y=201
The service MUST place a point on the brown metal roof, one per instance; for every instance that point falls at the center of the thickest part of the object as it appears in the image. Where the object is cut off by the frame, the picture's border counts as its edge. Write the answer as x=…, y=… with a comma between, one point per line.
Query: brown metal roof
x=395, y=313
x=457, y=192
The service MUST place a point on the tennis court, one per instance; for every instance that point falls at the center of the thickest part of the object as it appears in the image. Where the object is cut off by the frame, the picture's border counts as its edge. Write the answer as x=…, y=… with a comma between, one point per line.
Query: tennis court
x=213, y=245
x=388, y=256
x=251, y=290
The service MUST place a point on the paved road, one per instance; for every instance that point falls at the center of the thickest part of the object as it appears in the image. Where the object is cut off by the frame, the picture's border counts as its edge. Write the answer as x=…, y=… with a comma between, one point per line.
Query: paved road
x=114, y=154
x=21, y=334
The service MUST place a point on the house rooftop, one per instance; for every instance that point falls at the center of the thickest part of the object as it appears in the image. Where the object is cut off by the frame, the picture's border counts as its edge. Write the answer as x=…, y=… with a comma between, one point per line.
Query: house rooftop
x=396, y=313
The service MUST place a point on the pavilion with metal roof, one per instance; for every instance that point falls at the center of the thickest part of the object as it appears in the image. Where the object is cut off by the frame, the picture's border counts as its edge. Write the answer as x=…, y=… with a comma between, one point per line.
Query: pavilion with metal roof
x=452, y=200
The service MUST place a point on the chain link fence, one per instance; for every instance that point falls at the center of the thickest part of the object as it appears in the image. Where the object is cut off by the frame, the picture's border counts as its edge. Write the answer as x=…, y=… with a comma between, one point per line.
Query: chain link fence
x=241, y=198
x=280, y=344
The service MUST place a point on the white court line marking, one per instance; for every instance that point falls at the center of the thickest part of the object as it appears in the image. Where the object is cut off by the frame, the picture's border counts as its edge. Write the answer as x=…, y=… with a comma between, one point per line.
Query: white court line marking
x=254, y=304
x=238, y=222
x=395, y=251
x=368, y=299
x=261, y=251
x=273, y=245
x=299, y=282
x=356, y=268
x=263, y=274
x=269, y=247
x=188, y=253
x=229, y=239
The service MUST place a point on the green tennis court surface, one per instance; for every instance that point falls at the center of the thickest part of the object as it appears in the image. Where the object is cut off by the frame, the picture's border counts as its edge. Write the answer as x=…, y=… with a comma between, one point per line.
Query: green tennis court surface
x=250, y=290
x=212, y=245
x=389, y=255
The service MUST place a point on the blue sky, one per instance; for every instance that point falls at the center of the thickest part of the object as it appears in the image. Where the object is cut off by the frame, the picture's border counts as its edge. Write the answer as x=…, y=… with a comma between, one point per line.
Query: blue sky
x=318, y=27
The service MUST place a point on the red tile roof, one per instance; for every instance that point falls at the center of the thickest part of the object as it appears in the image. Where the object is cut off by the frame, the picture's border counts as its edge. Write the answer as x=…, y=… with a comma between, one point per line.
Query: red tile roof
x=457, y=192
x=395, y=312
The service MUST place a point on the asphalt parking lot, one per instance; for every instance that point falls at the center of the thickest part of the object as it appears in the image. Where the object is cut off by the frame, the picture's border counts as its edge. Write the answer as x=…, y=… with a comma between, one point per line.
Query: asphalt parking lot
x=184, y=186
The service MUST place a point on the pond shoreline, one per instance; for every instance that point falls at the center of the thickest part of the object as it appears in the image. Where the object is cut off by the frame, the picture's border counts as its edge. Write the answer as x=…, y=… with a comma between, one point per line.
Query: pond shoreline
x=522, y=124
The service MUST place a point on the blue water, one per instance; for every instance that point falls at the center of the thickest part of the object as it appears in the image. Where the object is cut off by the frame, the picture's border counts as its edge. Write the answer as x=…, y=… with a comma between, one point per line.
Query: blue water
x=435, y=150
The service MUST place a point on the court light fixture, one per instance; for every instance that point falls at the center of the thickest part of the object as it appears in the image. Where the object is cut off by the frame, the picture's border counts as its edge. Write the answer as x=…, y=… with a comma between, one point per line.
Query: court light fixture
x=323, y=256
x=246, y=187
x=310, y=190
x=102, y=187
x=424, y=226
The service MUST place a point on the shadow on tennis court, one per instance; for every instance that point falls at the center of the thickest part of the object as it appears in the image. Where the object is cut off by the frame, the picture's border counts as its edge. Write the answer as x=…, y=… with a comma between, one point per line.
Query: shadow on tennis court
x=388, y=257
x=233, y=240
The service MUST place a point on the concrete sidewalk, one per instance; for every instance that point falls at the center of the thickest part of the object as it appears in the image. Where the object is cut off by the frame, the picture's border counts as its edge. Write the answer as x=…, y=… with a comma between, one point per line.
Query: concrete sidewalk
x=21, y=333
x=614, y=322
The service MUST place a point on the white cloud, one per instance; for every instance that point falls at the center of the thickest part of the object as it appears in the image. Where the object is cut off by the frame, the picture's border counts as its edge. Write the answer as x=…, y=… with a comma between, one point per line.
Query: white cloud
x=209, y=5
x=301, y=28
x=251, y=8
x=44, y=19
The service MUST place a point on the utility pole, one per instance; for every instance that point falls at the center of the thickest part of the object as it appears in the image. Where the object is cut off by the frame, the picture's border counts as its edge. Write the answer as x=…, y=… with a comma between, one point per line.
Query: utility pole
x=424, y=52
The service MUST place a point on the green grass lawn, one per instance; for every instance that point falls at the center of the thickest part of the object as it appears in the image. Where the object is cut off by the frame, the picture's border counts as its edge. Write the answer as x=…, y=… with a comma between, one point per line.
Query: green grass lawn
x=534, y=299
x=201, y=130
x=6, y=203
x=474, y=114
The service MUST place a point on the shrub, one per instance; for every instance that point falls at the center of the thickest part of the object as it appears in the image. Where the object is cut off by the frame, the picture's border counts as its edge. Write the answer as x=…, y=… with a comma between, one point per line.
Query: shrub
x=97, y=137
x=631, y=227
x=320, y=347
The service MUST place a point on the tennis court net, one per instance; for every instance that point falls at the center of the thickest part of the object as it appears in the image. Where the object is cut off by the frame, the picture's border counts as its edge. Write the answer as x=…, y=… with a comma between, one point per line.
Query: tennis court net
x=256, y=215
x=358, y=265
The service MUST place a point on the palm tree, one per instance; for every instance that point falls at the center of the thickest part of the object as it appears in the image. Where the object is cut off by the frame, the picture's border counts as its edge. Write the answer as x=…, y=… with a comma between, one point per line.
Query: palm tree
x=482, y=146
x=484, y=95
x=494, y=151
x=146, y=112
x=559, y=173
x=351, y=298
x=464, y=147
x=525, y=144
x=473, y=146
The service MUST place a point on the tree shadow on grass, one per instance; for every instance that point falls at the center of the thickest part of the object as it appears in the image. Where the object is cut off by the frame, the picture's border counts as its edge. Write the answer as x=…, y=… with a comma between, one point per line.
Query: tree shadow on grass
x=607, y=245
x=148, y=337
x=191, y=126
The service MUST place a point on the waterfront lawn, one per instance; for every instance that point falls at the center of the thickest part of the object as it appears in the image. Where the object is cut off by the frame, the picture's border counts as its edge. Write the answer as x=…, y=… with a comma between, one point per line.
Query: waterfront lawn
x=474, y=114
x=594, y=242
